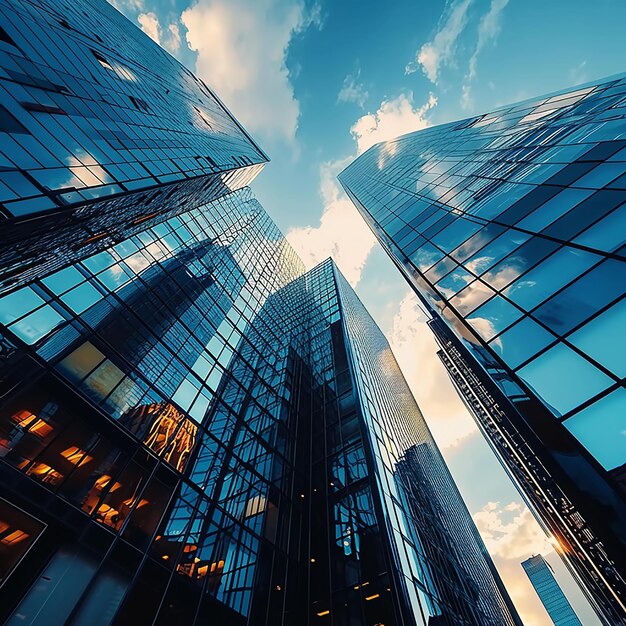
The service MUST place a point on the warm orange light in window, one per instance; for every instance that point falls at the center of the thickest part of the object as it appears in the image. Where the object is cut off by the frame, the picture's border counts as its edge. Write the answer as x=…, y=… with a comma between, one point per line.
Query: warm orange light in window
x=29, y=421
x=45, y=472
x=23, y=418
x=166, y=557
x=190, y=547
x=103, y=482
x=41, y=428
x=322, y=613
x=373, y=597
x=76, y=456
x=15, y=537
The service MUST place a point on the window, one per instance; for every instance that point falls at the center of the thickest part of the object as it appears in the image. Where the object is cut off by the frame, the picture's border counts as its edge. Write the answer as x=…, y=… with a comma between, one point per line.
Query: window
x=18, y=532
x=10, y=124
x=601, y=428
x=102, y=59
x=493, y=317
x=521, y=342
x=563, y=379
x=604, y=339
x=550, y=276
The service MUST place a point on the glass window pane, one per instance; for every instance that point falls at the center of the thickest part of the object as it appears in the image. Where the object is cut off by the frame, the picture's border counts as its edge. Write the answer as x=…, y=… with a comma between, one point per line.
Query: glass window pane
x=17, y=304
x=82, y=297
x=36, y=325
x=82, y=361
x=493, y=317
x=521, y=342
x=550, y=276
x=604, y=339
x=563, y=379
x=60, y=282
x=554, y=208
x=585, y=297
x=601, y=428
x=609, y=234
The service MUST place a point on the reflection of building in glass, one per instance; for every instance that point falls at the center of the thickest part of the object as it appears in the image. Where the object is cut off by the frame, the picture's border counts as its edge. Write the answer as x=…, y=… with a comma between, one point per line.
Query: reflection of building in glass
x=102, y=136
x=510, y=228
x=548, y=590
x=192, y=428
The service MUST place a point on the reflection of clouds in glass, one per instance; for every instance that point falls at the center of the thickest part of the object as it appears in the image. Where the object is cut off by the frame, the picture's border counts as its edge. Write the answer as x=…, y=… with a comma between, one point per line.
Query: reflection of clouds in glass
x=387, y=151
x=486, y=329
x=471, y=297
x=476, y=266
x=520, y=285
x=505, y=273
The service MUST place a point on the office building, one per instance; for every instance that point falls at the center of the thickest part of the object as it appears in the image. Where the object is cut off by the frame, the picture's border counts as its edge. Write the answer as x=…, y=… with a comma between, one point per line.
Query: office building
x=92, y=112
x=192, y=426
x=509, y=226
x=193, y=429
x=549, y=592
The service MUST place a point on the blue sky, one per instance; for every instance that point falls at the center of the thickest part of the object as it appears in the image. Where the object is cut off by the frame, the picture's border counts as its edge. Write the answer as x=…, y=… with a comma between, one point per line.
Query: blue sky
x=318, y=81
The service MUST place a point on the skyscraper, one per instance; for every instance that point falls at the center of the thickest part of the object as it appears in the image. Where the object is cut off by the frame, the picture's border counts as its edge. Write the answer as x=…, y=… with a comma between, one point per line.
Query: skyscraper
x=548, y=590
x=509, y=226
x=192, y=428
x=101, y=136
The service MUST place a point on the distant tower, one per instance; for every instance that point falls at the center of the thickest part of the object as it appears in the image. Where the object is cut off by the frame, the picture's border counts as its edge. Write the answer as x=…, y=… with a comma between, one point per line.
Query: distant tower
x=552, y=597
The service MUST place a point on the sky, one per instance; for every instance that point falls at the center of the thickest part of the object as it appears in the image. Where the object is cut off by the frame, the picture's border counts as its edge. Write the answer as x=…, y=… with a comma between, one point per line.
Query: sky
x=317, y=82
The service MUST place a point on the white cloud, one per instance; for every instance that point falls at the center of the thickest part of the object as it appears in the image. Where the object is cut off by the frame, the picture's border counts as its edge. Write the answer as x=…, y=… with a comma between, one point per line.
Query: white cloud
x=511, y=532
x=511, y=535
x=342, y=232
x=415, y=349
x=489, y=28
x=394, y=117
x=353, y=90
x=242, y=48
x=149, y=23
x=168, y=38
x=439, y=52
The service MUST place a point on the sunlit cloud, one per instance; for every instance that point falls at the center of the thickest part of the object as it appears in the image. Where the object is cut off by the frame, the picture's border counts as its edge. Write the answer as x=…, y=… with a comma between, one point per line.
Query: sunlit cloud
x=440, y=51
x=510, y=531
x=342, y=233
x=242, y=48
x=511, y=535
x=394, y=117
x=415, y=349
x=149, y=23
x=168, y=38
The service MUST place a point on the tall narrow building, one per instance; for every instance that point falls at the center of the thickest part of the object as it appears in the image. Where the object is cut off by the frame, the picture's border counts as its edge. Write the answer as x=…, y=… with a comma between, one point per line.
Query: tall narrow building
x=552, y=597
x=193, y=429
x=510, y=227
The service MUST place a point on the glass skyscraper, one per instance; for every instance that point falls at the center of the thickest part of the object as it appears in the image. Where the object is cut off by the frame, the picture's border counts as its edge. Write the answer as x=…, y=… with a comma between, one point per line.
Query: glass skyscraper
x=87, y=121
x=193, y=429
x=511, y=228
x=548, y=590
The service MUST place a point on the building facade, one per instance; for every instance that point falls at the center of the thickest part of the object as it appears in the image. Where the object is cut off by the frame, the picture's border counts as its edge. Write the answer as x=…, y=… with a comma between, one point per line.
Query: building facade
x=100, y=136
x=193, y=429
x=510, y=228
x=549, y=592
